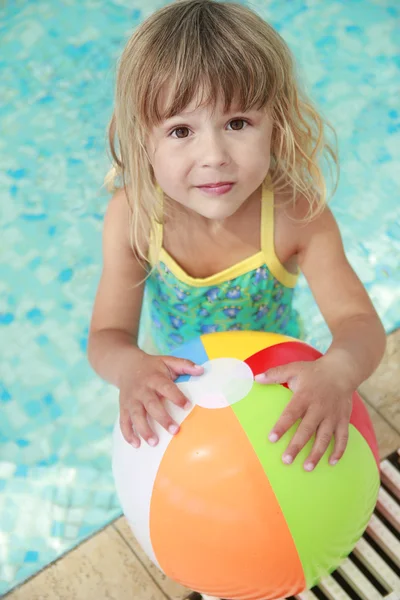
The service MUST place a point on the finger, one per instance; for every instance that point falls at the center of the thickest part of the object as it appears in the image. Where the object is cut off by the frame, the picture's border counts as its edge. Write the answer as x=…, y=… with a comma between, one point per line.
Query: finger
x=127, y=431
x=305, y=431
x=157, y=411
x=341, y=439
x=293, y=411
x=182, y=366
x=140, y=423
x=166, y=388
x=283, y=374
x=322, y=441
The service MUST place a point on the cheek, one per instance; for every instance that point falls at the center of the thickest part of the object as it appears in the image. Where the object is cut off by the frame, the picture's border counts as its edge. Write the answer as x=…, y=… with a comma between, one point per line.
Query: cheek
x=168, y=154
x=257, y=159
x=163, y=161
x=264, y=142
x=172, y=168
x=258, y=145
x=169, y=171
x=263, y=148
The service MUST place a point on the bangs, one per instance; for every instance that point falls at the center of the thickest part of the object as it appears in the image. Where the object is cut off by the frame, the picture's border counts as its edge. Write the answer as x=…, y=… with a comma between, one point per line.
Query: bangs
x=206, y=59
x=172, y=98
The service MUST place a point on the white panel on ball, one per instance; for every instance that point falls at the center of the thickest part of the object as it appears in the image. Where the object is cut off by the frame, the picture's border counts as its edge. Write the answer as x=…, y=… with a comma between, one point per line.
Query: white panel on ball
x=135, y=471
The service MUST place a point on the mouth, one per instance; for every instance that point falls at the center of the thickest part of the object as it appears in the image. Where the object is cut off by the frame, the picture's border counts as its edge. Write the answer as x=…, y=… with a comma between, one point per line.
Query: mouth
x=216, y=189
x=215, y=185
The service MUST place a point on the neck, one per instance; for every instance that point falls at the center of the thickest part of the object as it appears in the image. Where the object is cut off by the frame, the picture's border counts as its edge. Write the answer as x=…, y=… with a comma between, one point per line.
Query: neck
x=175, y=210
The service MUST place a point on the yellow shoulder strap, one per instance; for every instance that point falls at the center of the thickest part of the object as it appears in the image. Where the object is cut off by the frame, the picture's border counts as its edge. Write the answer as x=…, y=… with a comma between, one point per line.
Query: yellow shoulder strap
x=267, y=238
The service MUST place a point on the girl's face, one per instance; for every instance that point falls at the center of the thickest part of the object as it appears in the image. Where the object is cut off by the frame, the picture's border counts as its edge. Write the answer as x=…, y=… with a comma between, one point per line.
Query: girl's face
x=201, y=146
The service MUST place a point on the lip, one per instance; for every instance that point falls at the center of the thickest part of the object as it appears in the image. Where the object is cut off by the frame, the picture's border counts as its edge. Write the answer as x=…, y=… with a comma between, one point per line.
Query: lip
x=214, y=185
x=216, y=189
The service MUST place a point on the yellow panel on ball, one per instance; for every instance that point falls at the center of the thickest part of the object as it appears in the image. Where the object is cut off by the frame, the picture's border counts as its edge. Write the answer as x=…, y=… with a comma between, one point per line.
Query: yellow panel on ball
x=227, y=345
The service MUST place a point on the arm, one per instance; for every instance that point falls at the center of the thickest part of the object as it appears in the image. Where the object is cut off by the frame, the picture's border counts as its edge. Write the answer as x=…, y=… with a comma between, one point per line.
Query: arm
x=358, y=336
x=115, y=319
x=144, y=381
x=323, y=389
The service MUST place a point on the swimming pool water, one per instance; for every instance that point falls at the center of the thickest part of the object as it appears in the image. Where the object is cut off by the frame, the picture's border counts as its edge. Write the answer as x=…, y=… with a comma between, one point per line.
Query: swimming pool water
x=57, y=61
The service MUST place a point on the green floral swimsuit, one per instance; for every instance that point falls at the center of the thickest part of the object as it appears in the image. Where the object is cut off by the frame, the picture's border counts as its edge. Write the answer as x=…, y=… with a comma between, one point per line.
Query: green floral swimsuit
x=254, y=294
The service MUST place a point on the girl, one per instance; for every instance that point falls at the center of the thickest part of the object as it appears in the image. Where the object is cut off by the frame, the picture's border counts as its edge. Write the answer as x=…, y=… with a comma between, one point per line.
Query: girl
x=221, y=201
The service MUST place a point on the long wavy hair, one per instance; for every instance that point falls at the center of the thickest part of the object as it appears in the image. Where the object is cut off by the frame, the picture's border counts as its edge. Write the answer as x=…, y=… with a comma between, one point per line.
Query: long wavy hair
x=227, y=51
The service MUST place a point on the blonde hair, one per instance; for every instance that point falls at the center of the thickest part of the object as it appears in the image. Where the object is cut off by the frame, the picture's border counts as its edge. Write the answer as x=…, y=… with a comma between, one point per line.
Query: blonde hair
x=228, y=51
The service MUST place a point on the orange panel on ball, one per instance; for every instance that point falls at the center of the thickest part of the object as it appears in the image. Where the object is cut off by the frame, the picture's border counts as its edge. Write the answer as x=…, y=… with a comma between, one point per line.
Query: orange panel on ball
x=212, y=504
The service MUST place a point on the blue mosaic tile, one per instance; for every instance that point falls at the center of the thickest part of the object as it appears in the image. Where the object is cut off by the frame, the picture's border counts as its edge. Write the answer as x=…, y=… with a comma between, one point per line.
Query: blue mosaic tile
x=57, y=63
x=31, y=557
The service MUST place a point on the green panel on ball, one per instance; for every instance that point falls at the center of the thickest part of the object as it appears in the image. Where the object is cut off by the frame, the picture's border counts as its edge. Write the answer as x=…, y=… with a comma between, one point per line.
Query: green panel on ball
x=327, y=509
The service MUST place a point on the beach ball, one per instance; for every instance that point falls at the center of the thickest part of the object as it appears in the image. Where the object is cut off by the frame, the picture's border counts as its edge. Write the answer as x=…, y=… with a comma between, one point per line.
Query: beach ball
x=215, y=508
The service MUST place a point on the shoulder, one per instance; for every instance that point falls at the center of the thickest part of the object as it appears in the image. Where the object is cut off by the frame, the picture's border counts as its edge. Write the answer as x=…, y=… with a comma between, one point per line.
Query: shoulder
x=118, y=207
x=118, y=224
x=302, y=228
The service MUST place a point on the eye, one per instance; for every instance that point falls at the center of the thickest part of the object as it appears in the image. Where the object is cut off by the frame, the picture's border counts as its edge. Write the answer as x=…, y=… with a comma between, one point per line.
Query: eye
x=178, y=131
x=236, y=124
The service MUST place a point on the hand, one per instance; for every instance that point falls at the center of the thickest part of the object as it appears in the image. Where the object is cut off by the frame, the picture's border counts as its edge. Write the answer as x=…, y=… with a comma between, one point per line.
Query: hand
x=144, y=386
x=322, y=399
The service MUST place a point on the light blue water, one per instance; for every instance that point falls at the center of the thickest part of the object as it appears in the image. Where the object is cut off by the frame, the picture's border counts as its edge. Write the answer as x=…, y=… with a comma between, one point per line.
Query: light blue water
x=56, y=86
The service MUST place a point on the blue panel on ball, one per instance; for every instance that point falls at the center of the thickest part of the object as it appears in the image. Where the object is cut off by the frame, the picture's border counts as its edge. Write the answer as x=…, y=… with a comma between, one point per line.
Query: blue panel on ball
x=193, y=350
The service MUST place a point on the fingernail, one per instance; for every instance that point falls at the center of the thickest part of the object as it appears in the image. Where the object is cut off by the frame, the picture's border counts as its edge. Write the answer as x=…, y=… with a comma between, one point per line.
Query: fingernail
x=173, y=429
x=287, y=459
x=187, y=405
x=333, y=462
x=273, y=437
x=135, y=444
x=308, y=466
x=152, y=441
x=261, y=378
x=198, y=367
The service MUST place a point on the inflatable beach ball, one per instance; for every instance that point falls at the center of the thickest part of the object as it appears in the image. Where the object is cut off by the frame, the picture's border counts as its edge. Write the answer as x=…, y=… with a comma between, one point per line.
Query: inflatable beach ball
x=215, y=507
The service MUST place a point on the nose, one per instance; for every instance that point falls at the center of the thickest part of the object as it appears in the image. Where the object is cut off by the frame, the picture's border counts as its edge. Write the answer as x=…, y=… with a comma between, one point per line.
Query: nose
x=213, y=151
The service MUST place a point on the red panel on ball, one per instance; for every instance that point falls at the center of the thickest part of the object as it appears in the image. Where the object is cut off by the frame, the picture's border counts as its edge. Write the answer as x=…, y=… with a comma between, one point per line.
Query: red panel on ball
x=362, y=422
x=281, y=354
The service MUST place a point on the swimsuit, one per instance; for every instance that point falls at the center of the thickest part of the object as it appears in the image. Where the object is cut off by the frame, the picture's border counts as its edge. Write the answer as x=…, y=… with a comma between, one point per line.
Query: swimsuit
x=254, y=294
